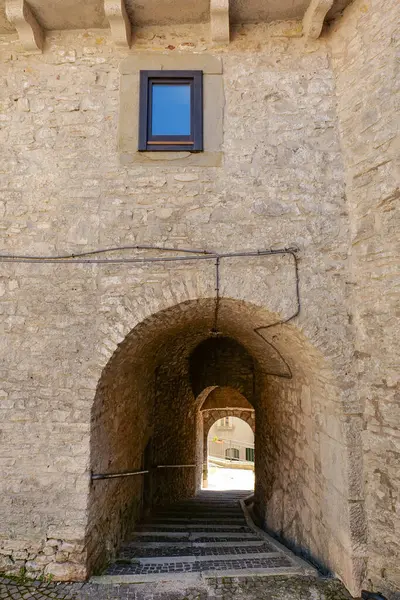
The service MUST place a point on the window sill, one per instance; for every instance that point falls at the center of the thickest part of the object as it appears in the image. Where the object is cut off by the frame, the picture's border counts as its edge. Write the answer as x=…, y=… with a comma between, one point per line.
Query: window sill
x=194, y=159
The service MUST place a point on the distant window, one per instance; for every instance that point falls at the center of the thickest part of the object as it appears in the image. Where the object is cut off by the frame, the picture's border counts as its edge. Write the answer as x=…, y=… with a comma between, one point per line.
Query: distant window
x=250, y=454
x=171, y=111
x=225, y=423
x=232, y=453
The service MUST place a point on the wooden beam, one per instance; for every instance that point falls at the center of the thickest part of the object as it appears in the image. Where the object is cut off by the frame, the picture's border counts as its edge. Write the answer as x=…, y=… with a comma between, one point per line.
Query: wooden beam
x=29, y=30
x=313, y=20
x=118, y=18
x=219, y=21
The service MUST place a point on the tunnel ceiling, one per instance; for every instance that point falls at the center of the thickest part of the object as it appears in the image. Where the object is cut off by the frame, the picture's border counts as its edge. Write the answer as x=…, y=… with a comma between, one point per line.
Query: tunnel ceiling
x=179, y=330
x=221, y=361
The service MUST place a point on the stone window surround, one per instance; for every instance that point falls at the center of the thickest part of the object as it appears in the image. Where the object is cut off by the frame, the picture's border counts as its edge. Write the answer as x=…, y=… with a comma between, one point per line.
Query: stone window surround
x=213, y=106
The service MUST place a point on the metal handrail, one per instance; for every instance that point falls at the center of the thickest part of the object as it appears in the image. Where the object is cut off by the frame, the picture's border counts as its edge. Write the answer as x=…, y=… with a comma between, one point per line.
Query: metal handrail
x=173, y=466
x=97, y=476
x=235, y=442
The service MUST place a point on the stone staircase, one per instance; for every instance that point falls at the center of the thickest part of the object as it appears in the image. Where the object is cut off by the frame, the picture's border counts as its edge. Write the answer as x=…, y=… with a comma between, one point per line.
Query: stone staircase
x=206, y=548
x=211, y=535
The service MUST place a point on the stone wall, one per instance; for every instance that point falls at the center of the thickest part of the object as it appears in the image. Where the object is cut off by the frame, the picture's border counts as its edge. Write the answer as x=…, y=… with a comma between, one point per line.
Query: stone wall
x=308, y=443
x=76, y=363
x=301, y=484
x=364, y=53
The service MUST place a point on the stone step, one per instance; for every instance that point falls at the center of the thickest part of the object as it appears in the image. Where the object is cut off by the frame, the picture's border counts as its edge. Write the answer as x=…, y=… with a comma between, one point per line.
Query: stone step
x=205, y=564
x=193, y=578
x=191, y=527
x=209, y=500
x=188, y=558
x=209, y=537
x=238, y=586
x=181, y=550
x=196, y=516
x=193, y=520
x=187, y=544
x=183, y=514
x=210, y=510
x=194, y=536
x=216, y=502
x=201, y=506
x=184, y=580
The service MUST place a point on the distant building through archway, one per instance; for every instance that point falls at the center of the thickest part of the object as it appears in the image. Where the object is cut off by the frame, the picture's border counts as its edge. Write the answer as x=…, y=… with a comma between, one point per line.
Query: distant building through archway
x=230, y=454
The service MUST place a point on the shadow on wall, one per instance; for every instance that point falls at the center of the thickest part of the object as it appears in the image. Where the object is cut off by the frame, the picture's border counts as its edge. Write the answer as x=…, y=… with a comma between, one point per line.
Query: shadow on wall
x=149, y=397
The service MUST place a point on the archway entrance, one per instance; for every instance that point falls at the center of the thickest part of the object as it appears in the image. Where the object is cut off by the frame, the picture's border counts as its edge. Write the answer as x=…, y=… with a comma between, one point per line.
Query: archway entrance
x=148, y=416
x=230, y=454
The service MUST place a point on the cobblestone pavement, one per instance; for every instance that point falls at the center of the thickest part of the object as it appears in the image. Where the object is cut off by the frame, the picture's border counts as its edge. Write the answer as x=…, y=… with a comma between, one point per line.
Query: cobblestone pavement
x=37, y=590
x=276, y=588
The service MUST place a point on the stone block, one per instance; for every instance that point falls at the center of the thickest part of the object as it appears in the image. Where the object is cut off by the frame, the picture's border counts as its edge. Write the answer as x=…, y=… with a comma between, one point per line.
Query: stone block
x=66, y=571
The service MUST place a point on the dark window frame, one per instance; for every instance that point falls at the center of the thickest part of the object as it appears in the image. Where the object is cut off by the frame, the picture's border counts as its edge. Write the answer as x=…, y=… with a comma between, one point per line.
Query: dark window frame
x=250, y=454
x=173, y=143
x=232, y=453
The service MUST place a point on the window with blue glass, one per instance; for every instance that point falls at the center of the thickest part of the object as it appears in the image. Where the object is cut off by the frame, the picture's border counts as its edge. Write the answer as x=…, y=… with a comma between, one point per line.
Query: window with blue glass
x=171, y=111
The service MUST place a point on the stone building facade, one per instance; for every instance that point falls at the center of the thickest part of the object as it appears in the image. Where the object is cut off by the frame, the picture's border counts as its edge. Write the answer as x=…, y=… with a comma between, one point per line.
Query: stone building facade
x=106, y=363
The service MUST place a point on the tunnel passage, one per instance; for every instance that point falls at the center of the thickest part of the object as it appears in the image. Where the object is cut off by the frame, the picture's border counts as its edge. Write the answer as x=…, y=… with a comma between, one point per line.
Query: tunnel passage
x=147, y=414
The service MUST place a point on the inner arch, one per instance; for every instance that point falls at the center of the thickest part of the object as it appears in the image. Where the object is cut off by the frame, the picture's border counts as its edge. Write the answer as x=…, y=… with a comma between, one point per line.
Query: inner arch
x=230, y=451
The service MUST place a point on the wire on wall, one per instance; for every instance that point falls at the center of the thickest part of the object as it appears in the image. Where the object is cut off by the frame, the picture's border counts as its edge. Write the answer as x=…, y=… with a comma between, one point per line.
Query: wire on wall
x=184, y=254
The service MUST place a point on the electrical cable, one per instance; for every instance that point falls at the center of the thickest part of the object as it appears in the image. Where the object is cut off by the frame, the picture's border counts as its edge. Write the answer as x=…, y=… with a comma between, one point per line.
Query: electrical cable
x=187, y=254
x=283, y=321
x=214, y=330
x=78, y=258
x=104, y=250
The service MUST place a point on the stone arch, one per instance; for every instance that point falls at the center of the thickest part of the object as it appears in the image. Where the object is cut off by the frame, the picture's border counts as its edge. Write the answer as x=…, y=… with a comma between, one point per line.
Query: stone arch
x=241, y=417
x=212, y=416
x=145, y=399
x=216, y=403
x=215, y=415
x=223, y=397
